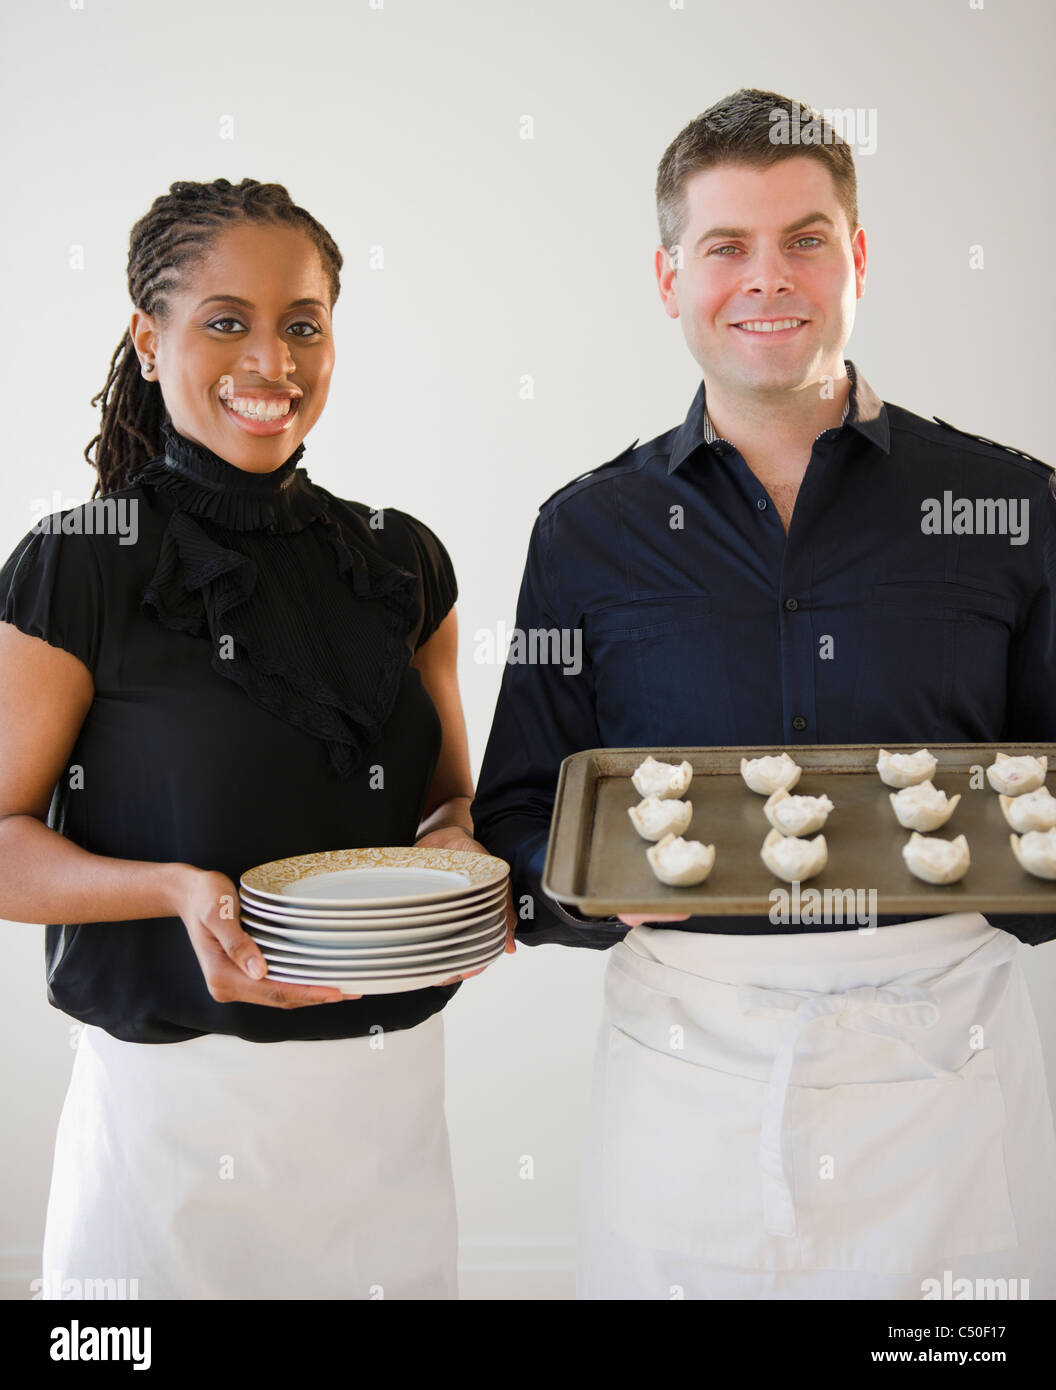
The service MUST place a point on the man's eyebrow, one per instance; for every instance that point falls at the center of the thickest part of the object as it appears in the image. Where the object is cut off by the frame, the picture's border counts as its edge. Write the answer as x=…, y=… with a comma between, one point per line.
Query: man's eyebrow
x=742, y=232
x=234, y=299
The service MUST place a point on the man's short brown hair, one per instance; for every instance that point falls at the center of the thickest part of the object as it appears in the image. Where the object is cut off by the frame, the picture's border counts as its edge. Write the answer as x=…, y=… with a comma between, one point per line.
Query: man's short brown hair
x=740, y=129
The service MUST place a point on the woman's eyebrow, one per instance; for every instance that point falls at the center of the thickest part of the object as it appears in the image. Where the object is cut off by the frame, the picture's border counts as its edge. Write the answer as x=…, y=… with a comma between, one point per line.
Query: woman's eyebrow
x=248, y=303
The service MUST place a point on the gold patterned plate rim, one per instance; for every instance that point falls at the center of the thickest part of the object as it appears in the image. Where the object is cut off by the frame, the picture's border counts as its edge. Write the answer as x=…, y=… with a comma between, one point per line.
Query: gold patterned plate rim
x=275, y=879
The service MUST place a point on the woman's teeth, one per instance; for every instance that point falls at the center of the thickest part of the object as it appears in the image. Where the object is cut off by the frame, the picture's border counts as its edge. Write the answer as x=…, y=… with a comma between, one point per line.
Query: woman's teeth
x=258, y=410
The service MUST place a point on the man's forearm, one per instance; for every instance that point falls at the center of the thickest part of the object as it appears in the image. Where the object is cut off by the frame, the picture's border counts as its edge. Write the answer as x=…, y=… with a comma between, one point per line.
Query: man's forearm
x=541, y=920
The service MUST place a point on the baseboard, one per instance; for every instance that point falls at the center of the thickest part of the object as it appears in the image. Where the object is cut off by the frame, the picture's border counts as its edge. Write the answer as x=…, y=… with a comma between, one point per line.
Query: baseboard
x=516, y=1272
x=485, y=1272
x=19, y=1266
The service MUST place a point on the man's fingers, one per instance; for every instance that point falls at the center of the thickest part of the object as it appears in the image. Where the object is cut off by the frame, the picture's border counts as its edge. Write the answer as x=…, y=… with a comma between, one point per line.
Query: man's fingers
x=632, y=920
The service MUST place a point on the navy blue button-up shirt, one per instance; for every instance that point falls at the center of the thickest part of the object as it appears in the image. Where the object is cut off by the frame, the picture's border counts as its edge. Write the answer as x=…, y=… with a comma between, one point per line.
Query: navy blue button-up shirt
x=913, y=600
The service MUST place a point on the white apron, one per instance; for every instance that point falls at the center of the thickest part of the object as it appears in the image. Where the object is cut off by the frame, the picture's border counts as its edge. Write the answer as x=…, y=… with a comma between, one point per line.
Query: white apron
x=824, y=1115
x=218, y=1168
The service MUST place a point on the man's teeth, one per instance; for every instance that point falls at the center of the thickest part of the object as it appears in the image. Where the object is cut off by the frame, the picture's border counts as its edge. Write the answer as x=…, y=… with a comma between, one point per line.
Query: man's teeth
x=758, y=327
x=258, y=410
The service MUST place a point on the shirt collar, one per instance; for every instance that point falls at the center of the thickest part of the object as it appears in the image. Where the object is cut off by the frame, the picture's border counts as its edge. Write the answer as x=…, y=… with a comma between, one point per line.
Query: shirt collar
x=203, y=483
x=864, y=410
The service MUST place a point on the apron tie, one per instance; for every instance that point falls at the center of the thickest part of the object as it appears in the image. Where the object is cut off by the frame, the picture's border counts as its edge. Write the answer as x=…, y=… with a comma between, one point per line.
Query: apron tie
x=888, y=1011
x=885, y=1011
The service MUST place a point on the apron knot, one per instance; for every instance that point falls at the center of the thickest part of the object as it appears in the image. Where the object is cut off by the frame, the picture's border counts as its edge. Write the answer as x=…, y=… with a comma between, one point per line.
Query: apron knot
x=909, y=1005
x=884, y=1011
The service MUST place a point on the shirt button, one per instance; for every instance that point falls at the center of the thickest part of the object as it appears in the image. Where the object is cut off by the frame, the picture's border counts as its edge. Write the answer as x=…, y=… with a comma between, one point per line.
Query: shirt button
x=791, y=604
x=799, y=723
x=761, y=504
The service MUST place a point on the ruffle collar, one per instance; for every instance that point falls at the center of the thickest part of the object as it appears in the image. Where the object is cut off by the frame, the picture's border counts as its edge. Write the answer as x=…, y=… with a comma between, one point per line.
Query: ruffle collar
x=329, y=659
x=203, y=484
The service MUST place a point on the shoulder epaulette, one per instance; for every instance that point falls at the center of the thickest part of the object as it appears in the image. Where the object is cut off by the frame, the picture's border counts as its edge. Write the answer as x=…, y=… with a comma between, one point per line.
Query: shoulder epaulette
x=982, y=439
x=590, y=473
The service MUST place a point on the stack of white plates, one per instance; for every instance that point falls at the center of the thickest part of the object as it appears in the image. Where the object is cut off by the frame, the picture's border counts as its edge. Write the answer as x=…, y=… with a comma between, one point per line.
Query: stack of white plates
x=376, y=921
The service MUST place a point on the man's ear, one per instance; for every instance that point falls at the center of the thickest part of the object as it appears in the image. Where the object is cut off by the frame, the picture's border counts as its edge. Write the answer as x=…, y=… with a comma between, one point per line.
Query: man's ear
x=858, y=251
x=667, y=264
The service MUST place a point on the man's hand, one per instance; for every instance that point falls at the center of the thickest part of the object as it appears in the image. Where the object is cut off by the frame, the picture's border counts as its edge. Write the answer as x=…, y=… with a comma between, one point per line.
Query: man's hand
x=643, y=921
x=457, y=837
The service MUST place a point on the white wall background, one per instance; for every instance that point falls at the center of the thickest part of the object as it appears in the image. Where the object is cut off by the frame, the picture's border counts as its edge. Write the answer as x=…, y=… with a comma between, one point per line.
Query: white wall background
x=397, y=124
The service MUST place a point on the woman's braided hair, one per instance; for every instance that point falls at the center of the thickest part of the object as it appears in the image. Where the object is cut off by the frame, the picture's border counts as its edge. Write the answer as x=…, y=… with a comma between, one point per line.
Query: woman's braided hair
x=180, y=227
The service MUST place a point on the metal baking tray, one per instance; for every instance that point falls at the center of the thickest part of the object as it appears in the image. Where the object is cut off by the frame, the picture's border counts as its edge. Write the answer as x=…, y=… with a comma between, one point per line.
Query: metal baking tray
x=596, y=860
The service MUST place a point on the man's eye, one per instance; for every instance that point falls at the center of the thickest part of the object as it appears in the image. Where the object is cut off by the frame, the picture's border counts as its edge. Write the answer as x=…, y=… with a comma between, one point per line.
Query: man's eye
x=799, y=241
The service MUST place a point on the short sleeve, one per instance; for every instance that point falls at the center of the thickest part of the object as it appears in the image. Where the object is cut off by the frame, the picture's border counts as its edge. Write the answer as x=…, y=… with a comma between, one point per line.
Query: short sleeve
x=50, y=587
x=439, y=588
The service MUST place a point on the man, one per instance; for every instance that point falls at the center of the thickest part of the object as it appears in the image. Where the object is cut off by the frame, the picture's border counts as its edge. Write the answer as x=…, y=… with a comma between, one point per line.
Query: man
x=806, y=1112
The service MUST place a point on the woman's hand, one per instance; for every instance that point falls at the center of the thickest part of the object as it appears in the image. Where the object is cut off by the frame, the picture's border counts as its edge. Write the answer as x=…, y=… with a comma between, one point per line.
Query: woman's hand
x=232, y=963
x=457, y=837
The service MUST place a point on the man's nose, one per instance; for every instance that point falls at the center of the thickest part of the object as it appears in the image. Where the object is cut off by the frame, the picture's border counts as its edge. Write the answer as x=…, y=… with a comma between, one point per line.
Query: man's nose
x=769, y=273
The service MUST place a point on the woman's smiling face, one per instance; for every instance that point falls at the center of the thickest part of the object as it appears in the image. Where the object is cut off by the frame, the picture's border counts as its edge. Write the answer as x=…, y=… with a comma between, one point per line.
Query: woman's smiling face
x=245, y=356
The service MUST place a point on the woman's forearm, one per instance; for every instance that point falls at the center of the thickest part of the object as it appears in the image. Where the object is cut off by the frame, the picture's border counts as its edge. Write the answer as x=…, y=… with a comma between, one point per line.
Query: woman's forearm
x=453, y=812
x=45, y=877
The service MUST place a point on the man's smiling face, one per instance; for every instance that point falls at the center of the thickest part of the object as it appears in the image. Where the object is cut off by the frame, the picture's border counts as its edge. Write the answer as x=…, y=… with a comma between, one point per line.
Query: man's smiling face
x=765, y=246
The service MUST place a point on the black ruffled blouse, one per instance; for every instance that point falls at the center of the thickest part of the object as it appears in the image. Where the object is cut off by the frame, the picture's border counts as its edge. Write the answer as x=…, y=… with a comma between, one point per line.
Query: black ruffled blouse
x=250, y=639
x=277, y=611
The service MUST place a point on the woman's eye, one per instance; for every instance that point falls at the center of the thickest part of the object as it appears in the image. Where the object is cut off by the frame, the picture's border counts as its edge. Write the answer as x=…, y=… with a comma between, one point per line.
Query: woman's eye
x=240, y=327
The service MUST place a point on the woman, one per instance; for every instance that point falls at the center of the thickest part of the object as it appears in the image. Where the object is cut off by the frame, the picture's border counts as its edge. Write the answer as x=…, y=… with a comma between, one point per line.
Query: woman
x=217, y=664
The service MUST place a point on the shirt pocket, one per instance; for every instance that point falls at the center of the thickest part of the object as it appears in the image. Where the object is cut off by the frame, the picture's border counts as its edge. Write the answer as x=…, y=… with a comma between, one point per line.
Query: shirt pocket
x=661, y=672
x=886, y=1177
x=931, y=652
